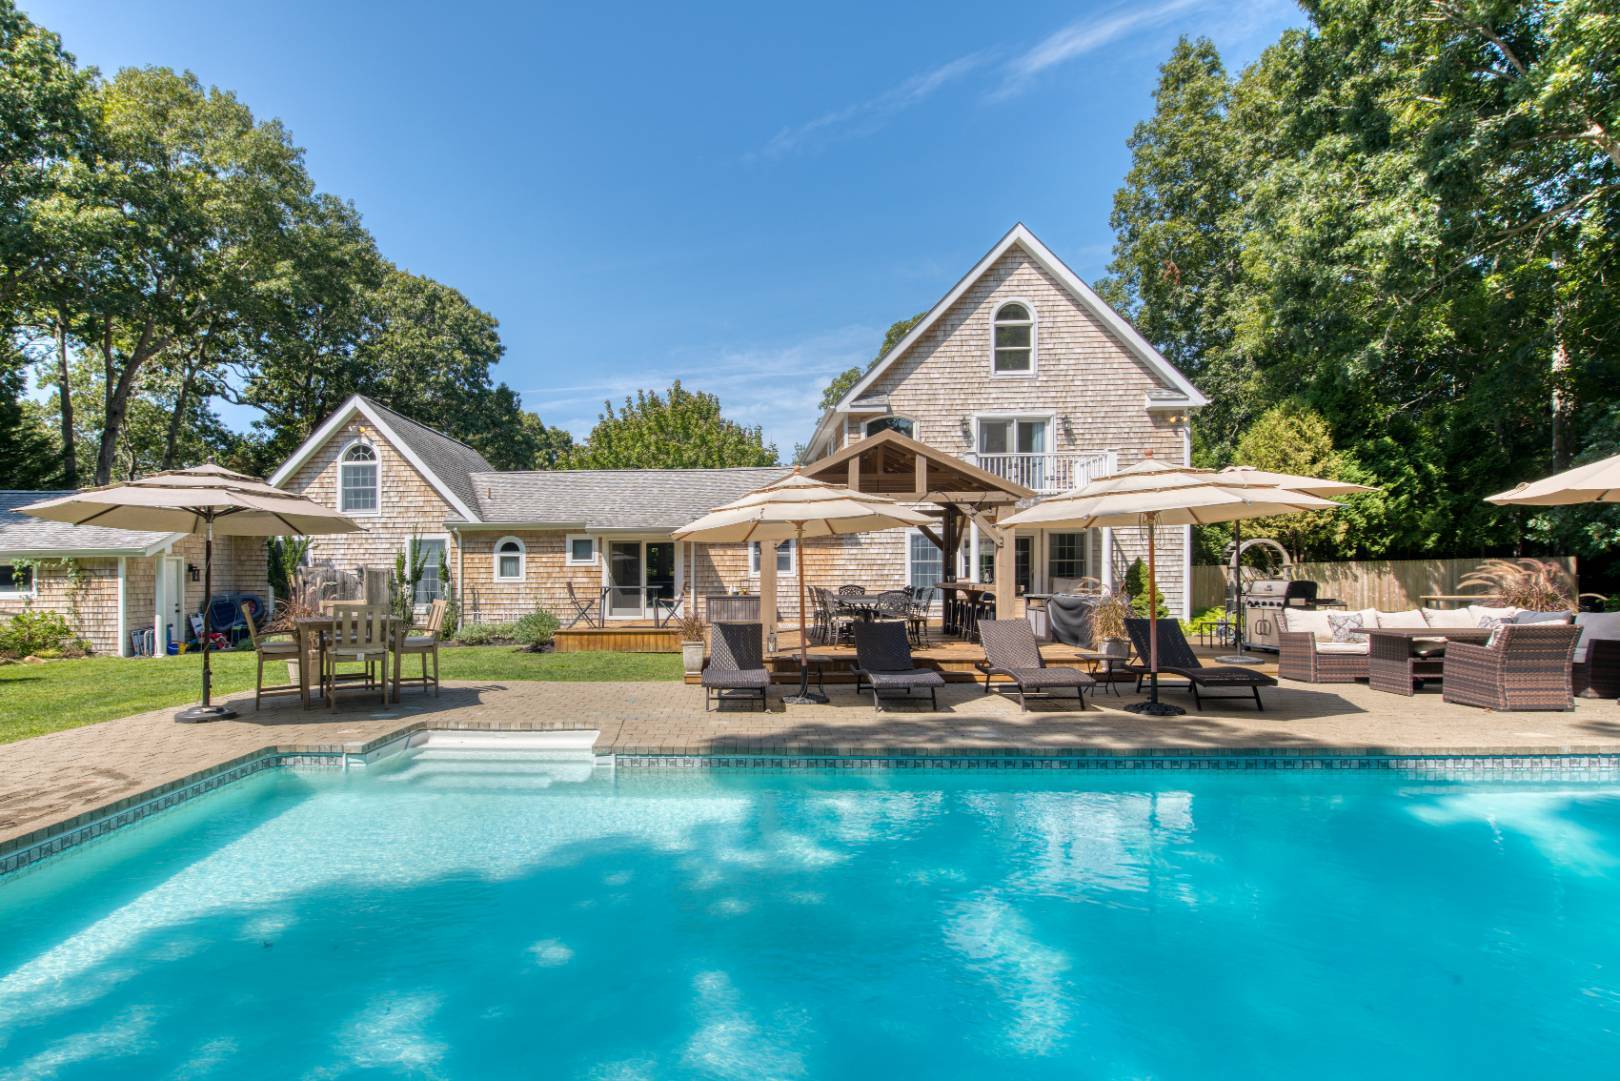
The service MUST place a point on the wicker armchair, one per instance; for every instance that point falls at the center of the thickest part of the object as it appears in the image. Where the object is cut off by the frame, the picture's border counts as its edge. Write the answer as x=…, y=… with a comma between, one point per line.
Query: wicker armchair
x=1598, y=676
x=1300, y=660
x=1528, y=667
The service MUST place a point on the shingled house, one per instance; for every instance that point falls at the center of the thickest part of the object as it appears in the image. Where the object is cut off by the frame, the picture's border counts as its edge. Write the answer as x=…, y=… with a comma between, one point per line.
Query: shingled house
x=1019, y=382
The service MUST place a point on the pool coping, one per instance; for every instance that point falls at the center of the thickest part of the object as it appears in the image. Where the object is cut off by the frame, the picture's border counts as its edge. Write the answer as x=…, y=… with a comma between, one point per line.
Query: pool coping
x=24, y=850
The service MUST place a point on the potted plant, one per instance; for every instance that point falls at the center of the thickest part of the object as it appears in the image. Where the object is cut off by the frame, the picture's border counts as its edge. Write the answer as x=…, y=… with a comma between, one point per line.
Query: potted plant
x=1108, y=626
x=691, y=629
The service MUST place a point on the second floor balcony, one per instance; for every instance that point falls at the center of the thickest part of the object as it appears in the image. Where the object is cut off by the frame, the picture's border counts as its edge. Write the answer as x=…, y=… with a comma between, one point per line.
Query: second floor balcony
x=1048, y=473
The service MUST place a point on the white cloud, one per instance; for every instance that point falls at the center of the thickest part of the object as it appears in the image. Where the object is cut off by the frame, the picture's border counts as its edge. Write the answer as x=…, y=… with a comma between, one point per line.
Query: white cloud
x=867, y=117
x=1083, y=37
x=777, y=387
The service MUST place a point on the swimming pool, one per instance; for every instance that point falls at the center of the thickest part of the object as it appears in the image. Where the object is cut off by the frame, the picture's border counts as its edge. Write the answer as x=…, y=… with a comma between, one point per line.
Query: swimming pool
x=475, y=914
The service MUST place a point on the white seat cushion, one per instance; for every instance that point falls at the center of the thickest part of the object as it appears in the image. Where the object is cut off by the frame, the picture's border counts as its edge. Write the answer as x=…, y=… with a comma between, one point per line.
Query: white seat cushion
x=278, y=646
x=1482, y=612
x=1342, y=647
x=1409, y=618
x=1309, y=621
x=1449, y=617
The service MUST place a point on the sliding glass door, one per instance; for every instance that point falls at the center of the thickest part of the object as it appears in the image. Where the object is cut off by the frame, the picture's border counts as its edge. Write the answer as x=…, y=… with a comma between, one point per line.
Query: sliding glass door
x=638, y=572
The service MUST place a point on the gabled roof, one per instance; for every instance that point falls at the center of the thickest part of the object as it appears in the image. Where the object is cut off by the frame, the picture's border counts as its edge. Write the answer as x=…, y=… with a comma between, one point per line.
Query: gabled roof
x=651, y=500
x=893, y=458
x=1019, y=235
x=446, y=464
x=22, y=536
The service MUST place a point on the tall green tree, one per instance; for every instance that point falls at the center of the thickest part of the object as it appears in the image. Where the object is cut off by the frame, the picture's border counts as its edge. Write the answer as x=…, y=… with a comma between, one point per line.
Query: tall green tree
x=680, y=429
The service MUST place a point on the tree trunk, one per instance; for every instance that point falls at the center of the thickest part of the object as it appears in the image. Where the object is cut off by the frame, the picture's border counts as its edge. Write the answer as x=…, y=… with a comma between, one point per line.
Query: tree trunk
x=118, y=393
x=173, y=436
x=70, y=461
x=1561, y=405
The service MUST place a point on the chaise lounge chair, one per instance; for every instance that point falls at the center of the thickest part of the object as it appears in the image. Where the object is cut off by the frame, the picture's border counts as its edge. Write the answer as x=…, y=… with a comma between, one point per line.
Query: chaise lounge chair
x=1177, y=658
x=736, y=664
x=883, y=662
x=1010, y=650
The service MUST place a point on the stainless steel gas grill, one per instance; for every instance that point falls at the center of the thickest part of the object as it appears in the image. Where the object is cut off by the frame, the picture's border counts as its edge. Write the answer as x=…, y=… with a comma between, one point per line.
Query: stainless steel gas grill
x=1263, y=602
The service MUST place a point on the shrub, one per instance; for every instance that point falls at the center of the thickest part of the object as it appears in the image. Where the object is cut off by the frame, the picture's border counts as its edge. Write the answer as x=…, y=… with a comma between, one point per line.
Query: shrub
x=535, y=629
x=1136, y=587
x=483, y=634
x=1525, y=583
x=39, y=633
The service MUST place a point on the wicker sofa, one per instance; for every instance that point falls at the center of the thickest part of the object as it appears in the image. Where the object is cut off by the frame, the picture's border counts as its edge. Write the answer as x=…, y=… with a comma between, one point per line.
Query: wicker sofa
x=1597, y=655
x=1522, y=667
x=1308, y=653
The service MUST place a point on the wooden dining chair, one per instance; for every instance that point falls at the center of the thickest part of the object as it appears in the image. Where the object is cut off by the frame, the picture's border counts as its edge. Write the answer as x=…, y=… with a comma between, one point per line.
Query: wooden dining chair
x=422, y=645
x=359, y=636
x=272, y=649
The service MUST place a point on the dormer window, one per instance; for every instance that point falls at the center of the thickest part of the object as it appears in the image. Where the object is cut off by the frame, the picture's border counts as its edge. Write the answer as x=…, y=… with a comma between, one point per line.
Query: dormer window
x=357, y=479
x=1013, y=351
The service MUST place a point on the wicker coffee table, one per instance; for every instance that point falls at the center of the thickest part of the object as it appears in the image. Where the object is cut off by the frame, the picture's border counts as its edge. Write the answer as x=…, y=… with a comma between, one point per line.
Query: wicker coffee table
x=1395, y=662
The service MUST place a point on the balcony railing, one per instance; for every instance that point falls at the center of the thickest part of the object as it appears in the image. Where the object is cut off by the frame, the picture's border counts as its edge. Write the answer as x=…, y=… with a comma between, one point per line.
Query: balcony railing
x=1047, y=473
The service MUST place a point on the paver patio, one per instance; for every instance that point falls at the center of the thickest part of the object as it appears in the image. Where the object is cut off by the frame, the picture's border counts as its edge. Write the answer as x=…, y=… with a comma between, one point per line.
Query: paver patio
x=52, y=778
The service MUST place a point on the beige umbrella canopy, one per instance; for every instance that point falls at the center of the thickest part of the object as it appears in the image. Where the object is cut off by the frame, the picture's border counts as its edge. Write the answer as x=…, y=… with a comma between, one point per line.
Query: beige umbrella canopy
x=206, y=499
x=1152, y=493
x=794, y=508
x=1595, y=482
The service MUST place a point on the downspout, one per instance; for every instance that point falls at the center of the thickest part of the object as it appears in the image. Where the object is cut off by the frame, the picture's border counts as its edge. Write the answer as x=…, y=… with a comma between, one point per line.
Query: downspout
x=124, y=649
x=461, y=573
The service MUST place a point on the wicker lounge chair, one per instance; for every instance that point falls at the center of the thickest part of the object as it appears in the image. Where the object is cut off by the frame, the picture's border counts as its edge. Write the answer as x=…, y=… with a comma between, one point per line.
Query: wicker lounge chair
x=1176, y=658
x=1526, y=666
x=736, y=664
x=1010, y=650
x=883, y=663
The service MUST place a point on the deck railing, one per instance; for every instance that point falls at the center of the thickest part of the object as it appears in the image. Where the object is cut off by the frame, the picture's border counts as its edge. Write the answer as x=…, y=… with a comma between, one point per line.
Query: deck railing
x=1047, y=473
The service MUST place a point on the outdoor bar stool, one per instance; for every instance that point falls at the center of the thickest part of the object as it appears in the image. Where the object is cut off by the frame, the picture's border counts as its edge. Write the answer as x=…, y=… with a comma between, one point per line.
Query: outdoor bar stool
x=422, y=645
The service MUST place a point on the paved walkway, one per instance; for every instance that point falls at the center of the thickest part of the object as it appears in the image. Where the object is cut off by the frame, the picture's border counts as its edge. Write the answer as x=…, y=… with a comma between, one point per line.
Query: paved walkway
x=52, y=778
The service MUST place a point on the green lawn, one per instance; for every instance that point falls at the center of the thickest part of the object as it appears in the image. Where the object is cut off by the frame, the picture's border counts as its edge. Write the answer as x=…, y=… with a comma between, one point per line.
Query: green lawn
x=40, y=698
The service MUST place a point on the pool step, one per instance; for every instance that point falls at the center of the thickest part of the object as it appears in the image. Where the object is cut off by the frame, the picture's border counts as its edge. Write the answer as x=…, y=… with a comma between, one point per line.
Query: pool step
x=478, y=761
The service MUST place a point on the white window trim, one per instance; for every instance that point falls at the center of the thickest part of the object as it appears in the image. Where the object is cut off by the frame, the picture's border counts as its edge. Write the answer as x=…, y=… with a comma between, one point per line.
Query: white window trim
x=405, y=546
x=916, y=428
x=376, y=462
x=1034, y=340
x=754, y=558
x=23, y=594
x=568, y=550
x=522, y=558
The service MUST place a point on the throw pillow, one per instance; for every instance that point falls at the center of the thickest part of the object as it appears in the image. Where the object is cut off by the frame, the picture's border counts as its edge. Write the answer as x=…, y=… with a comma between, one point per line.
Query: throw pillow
x=1345, y=625
x=1542, y=617
x=1492, y=624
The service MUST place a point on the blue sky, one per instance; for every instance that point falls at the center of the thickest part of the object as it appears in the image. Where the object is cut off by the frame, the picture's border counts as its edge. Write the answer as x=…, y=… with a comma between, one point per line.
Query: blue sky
x=743, y=196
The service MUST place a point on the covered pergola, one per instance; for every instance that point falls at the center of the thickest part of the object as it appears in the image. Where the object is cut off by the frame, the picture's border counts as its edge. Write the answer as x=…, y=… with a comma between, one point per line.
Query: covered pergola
x=961, y=494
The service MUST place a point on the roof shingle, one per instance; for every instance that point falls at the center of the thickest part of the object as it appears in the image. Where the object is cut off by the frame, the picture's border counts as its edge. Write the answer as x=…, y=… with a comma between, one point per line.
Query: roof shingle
x=656, y=500
x=23, y=534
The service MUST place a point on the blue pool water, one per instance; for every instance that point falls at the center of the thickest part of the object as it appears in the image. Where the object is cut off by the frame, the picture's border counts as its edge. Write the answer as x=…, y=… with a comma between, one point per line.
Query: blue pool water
x=465, y=915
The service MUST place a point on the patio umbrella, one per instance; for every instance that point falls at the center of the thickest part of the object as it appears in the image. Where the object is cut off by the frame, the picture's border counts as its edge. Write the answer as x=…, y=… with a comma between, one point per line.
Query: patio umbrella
x=794, y=508
x=205, y=499
x=1595, y=482
x=1248, y=474
x=1152, y=493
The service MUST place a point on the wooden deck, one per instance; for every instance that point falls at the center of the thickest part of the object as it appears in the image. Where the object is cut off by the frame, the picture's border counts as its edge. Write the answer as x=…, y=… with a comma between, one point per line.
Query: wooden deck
x=618, y=636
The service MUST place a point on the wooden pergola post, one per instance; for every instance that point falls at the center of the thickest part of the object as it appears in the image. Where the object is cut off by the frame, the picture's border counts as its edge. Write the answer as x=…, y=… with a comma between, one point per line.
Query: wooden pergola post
x=1006, y=570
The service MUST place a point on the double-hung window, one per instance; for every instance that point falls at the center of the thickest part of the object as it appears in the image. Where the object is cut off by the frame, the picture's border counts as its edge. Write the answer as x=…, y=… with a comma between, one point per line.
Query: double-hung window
x=1013, y=331
x=357, y=480
x=784, y=557
x=429, y=555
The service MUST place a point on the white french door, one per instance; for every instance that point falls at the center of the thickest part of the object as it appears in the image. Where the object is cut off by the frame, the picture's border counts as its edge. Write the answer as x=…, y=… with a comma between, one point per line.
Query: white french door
x=637, y=573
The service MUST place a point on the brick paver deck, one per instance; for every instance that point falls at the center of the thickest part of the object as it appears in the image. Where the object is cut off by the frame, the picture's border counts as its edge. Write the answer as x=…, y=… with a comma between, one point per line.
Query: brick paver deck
x=52, y=778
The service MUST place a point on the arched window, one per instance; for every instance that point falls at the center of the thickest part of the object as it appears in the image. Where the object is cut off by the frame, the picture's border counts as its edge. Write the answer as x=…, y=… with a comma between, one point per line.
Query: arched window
x=509, y=560
x=903, y=425
x=1014, y=329
x=357, y=479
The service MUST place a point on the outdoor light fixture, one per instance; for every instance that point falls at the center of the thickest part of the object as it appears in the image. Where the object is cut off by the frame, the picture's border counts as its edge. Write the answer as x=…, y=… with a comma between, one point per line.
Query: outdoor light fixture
x=193, y=573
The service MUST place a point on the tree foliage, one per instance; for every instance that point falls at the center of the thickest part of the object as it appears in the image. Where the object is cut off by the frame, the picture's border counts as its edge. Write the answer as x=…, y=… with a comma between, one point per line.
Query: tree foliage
x=681, y=429
x=1401, y=218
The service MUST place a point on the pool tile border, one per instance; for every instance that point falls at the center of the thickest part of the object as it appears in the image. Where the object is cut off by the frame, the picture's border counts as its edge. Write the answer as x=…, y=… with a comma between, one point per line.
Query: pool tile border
x=26, y=851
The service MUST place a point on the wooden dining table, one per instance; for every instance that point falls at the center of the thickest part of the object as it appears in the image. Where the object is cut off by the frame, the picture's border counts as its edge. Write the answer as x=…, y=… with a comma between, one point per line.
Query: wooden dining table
x=312, y=633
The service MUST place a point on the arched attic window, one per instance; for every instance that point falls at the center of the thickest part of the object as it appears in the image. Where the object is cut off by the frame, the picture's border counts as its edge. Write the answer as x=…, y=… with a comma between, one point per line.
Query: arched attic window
x=358, y=479
x=1013, y=332
x=510, y=557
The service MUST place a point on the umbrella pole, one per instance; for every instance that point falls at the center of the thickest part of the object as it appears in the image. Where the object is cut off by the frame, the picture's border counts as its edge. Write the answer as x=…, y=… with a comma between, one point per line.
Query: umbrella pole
x=804, y=697
x=1153, y=707
x=207, y=711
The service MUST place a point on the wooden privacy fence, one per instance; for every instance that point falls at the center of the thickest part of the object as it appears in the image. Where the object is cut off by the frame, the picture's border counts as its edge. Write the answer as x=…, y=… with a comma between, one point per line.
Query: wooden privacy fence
x=1389, y=585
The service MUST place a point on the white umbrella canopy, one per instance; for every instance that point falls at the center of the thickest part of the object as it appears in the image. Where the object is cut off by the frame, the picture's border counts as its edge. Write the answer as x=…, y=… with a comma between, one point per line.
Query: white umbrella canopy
x=1152, y=493
x=205, y=499
x=794, y=508
x=1594, y=482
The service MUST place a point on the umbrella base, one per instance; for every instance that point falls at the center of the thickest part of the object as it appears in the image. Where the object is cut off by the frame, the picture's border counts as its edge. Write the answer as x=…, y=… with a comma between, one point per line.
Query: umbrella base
x=808, y=698
x=1241, y=658
x=1155, y=709
x=204, y=714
